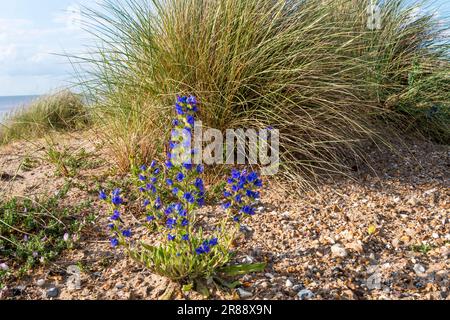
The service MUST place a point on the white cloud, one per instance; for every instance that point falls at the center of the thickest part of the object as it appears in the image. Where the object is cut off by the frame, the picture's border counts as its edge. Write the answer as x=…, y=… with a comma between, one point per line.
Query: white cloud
x=30, y=54
x=70, y=17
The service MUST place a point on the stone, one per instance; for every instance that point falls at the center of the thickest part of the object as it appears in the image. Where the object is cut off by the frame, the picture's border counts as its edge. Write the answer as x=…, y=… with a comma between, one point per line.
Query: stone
x=305, y=294
x=244, y=294
x=120, y=286
x=18, y=291
x=52, y=292
x=40, y=283
x=338, y=251
x=289, y=283
x=419, y=269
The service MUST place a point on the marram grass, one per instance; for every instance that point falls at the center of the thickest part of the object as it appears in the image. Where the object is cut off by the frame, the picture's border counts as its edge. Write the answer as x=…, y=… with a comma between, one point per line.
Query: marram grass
x=311, y=69
x=62, y=111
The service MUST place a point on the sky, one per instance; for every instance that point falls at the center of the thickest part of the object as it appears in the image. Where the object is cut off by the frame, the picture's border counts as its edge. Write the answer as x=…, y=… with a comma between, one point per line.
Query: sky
x=34, y=32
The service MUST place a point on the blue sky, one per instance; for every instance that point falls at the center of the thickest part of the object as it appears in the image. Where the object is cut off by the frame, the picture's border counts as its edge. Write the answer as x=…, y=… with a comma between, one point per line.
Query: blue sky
x=32, y=31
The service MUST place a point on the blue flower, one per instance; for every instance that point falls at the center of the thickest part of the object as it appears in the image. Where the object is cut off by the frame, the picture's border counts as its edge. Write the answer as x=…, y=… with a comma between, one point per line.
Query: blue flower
x=201, y=202
x=171, y=222
x=153, y=180
x=252, y=194
x=157, y=171
x=230, y=181
x=169, y=182
x=175, y=122
x=199, y=184
x=126, y=233
x=189, y=197
x=235, y=188
x=187, y=166
x=150, y=218
x=115, y=193
x=153, y=164
x=168, y=210
x=213, y=242
x=111, y=226
x=226, y=205
x=182, y=213
x=178, y=206
x=200, y=168
x=206, y=248
x=171, y=237
x=236, y=218
x=227, y=194
x=114, y=242
x=191, y=100
x=116, y=200
x=175, y=191
x=190, y=119
x=181, y=99
x=142, y=177
x=102, y=195
x=169, y=164
x=115, y=216
x=185, y=237
x=151, y=188
x=141, y=189
x=158, y=203
x=184, y=223
x=180, y=177
x=238, y=198
x=235, y=174
x=258, y=183
x=248, y=210
x=146, y=203
x=179, y=109
x=252, y=177
x=143, y=167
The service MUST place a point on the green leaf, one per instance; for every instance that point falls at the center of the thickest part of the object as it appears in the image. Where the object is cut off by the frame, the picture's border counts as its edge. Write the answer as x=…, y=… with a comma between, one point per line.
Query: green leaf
x=201, y=288
x=188, y=287
x=229, y=285
x=243, y=269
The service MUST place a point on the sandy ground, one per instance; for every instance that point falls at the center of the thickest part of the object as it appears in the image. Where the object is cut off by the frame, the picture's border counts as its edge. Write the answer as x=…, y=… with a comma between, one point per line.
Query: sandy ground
x=317, y=245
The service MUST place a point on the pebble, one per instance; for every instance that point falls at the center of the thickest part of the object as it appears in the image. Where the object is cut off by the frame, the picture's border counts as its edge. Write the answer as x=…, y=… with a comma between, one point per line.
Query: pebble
x=338, y=251
x=40, y=283
x=269, y=275
x=419, y=269
x=52, y=292
x=289, y=283
x=305, y=294
x=297, y=287
x=120, y=286
x=18, y=291
x=247, y=259
x=244, y=294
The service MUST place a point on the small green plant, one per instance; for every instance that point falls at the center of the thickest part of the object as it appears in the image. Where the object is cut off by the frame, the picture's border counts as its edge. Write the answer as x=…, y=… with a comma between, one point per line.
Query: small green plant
x=35, y=231
x=186, y=249
x=28, y=164
x=69, y=163
x=423, y=248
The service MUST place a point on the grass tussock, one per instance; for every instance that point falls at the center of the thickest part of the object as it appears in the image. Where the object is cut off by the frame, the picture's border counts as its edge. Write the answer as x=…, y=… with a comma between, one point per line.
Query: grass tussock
x=311, y=69
x=63, y=111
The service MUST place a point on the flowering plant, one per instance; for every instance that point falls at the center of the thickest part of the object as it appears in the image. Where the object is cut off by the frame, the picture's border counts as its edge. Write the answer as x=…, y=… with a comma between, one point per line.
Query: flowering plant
x=184, y=249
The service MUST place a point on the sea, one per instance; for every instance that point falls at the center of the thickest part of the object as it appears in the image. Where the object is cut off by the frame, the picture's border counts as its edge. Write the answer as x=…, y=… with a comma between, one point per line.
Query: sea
x=8, y=104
